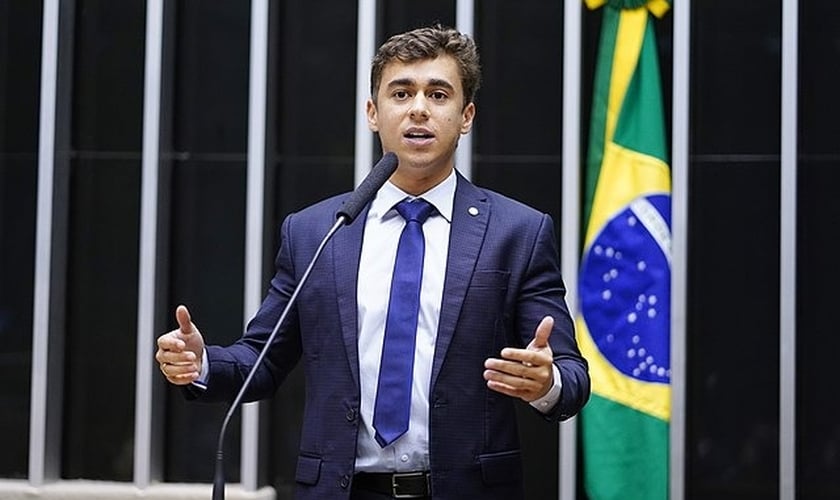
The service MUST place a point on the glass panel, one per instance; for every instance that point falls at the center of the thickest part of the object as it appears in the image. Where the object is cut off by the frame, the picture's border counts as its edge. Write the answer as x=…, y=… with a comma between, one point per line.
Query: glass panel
x=817, y=425
x=208, y=63
x=399, y=15
x=732, y=448
x=517, y=151
x=103, y=220
x=311, y=135
x=817, y=429
x=519, y=104
x=20, y=27
x=736, y=77
x=101, y=316
x=208, y=258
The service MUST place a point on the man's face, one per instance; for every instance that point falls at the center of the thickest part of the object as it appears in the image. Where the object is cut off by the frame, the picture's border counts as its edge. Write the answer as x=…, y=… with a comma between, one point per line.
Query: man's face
x=420, y=115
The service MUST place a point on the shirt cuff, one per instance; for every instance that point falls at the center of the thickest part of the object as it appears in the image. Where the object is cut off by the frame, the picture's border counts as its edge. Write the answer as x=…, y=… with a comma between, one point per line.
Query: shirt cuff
x=547, y=402
x=201, y=382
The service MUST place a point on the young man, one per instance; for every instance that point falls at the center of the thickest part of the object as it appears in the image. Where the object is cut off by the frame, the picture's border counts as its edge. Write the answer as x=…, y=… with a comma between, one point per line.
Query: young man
x=492, y=328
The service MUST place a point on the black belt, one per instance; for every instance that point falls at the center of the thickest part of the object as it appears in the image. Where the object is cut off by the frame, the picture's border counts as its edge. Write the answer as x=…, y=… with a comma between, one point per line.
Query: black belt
x=397, y=484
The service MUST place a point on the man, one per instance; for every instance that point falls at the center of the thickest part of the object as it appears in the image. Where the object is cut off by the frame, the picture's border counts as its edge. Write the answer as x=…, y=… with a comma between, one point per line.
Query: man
x=493, y=327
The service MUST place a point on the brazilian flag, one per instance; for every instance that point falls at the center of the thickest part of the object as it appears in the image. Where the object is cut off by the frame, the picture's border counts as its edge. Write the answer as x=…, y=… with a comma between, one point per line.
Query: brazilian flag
x=625, y=275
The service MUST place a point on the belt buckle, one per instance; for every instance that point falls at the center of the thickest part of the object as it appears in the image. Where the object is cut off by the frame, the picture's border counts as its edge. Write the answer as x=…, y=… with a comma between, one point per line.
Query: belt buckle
x=395, y=486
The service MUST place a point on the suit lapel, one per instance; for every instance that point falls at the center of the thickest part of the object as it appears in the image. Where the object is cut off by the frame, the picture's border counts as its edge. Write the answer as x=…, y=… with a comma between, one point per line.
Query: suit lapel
x=346, y=253
x=470, y=214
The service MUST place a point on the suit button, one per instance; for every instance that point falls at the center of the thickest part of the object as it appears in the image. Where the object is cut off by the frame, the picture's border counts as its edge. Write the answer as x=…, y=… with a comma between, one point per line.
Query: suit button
x=350, y=415
x=345, y=481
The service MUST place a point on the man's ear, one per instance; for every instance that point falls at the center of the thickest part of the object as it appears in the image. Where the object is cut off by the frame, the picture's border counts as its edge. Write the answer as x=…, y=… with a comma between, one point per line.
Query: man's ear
x=370, y=109
x=467, y=118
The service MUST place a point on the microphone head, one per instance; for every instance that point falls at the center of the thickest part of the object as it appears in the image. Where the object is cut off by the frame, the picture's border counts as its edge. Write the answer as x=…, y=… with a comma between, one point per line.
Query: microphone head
x=363, y=194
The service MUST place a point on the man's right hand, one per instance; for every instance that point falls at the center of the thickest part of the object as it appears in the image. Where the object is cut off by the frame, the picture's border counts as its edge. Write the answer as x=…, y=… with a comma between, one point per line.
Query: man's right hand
x=180, y=351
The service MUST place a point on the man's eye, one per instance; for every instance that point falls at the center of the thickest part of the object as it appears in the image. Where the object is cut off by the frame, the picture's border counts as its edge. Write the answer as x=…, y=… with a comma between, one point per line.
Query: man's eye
x=439, y=96
x=401, y=94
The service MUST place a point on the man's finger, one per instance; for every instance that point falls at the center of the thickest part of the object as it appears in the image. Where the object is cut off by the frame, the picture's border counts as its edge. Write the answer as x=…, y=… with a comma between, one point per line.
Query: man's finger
x=182, y=314
x=542, y=333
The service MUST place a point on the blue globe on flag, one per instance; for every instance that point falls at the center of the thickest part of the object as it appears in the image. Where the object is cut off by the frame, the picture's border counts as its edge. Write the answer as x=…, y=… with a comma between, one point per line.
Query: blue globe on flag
x=625, y=289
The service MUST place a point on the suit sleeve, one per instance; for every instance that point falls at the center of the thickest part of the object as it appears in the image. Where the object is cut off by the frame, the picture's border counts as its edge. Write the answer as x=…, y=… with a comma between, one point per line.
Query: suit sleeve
x=543, y=293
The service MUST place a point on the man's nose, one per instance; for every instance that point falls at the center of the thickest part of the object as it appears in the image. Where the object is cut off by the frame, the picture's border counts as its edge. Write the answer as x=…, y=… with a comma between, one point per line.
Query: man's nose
x=419, y=107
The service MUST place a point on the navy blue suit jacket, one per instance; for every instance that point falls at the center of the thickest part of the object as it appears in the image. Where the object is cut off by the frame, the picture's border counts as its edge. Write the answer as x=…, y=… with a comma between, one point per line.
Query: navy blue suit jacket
x=502, y=278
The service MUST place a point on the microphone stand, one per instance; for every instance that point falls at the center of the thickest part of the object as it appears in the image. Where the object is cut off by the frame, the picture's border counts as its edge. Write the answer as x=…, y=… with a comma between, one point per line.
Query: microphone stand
x=219, y=473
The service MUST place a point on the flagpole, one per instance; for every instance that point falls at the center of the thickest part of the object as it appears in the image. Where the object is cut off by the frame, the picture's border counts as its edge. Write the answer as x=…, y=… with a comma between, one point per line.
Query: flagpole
x=570, y=240
x=679, y=241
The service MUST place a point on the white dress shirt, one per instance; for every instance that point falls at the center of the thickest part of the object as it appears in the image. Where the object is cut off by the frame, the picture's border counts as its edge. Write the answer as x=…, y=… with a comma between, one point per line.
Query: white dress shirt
x=410, y=452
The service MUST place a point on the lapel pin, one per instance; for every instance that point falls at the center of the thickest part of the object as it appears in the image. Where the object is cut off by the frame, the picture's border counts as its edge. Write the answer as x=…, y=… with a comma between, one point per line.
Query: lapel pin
x=472, y=211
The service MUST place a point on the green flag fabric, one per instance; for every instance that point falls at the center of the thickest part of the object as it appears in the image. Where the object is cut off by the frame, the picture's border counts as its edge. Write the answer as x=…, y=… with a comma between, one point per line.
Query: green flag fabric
x=625, y=274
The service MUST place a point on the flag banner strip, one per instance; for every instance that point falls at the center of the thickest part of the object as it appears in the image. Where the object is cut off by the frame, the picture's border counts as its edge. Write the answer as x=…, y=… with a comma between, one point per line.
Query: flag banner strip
x=624, y=284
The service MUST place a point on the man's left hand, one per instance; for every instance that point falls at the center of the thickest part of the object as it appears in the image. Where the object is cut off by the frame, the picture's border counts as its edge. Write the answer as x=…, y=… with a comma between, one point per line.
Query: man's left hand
x=524, y=373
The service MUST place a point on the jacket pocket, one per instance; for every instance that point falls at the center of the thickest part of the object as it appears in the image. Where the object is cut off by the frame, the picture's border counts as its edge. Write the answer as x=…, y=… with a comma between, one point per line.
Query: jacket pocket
x=501, y=467
x=308, y=470
x=490, y=279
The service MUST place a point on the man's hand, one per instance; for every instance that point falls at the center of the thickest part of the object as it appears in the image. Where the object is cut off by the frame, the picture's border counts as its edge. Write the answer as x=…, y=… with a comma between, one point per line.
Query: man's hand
x=180, y=351
x=524, y=373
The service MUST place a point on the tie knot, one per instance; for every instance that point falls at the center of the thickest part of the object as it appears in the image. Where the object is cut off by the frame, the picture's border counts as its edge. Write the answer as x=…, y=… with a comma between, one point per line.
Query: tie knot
x=417, y=209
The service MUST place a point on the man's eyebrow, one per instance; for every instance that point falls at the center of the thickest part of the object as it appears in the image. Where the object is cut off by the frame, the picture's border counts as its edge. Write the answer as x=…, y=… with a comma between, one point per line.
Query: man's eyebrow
x=410, y=82
x=439, y=82
x=401, y=82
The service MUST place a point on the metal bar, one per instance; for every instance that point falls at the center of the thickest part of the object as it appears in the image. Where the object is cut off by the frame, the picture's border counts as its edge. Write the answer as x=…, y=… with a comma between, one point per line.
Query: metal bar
x=39, y=469
x=570, y=240
x=365, y=49
x=787, y=252
x=679, y=241
x=249, y=464
x=465, y=23
x=144, y=447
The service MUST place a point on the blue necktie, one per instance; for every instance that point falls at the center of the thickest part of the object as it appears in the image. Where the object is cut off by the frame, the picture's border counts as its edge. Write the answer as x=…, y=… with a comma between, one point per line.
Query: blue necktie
x=393, y=394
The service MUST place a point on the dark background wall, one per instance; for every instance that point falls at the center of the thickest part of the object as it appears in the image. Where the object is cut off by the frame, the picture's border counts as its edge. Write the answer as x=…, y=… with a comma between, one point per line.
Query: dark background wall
x=733, y=402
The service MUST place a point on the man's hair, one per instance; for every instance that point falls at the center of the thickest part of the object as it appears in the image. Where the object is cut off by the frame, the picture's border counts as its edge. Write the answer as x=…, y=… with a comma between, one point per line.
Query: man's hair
x=429, y=43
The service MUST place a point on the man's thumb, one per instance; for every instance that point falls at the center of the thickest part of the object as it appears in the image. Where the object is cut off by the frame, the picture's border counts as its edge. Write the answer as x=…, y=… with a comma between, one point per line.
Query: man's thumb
x=543, y=332
x=182, y=314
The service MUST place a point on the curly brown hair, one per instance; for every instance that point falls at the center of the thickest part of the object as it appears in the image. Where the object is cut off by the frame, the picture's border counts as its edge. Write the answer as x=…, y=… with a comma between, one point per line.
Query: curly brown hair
x=428, y=43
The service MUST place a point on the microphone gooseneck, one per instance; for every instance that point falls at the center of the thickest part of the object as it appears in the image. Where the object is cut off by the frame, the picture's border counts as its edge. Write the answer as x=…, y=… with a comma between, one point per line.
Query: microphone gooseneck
x=380, y=173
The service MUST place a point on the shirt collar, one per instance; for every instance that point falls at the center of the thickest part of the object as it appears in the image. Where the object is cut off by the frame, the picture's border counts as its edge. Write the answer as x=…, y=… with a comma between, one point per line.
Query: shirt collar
x=441, y=196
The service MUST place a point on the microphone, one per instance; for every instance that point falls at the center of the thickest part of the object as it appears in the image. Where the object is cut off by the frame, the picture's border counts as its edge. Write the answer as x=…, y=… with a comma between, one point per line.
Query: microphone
x=363, y=194
x=380, y=173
